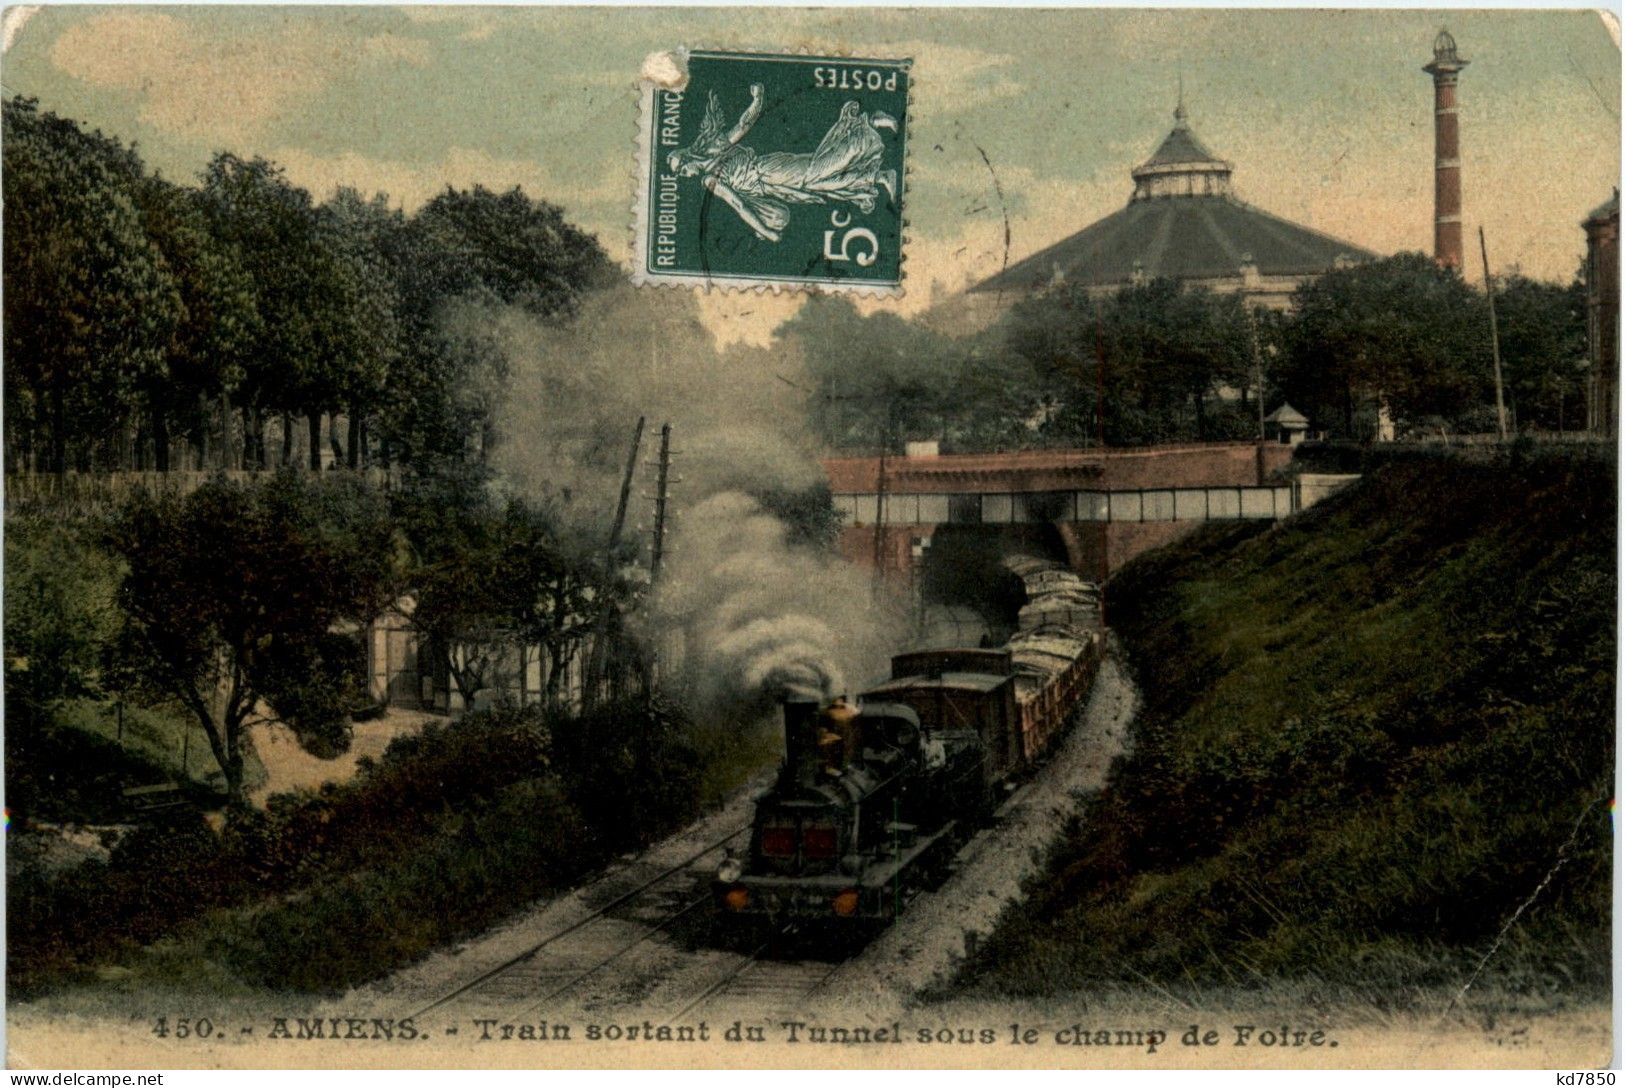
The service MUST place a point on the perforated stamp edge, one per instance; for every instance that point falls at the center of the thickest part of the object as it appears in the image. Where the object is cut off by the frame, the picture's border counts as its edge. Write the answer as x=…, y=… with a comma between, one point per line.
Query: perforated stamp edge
x=648, y=108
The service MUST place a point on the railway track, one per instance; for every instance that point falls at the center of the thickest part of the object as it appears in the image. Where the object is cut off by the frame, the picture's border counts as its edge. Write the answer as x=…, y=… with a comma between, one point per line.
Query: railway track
x=636, y=942
x=634, y=904
x=769, y=989
x=588, y=962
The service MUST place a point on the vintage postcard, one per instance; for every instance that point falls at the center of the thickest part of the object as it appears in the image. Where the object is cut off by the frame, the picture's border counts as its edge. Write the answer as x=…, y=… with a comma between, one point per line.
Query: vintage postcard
x=765, y=537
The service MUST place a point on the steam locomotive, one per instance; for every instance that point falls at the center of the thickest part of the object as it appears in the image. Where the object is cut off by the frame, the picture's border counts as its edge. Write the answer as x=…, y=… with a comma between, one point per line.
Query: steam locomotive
x=873, y=799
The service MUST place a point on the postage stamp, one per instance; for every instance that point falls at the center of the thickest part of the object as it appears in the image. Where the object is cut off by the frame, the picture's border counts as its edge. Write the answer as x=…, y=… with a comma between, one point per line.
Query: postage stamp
x=775, y=170
x=1176, y=632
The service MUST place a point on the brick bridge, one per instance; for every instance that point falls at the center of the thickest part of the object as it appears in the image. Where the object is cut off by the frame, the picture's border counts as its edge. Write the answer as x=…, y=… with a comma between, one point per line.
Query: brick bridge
x=1106, y=506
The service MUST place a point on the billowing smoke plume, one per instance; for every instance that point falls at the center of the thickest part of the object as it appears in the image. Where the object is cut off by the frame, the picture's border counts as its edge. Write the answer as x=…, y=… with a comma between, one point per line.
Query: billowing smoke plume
x=750, y=615
x=763, y=619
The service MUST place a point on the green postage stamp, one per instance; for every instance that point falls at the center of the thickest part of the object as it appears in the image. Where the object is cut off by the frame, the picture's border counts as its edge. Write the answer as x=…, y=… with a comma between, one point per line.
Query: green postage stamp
x=773, y=170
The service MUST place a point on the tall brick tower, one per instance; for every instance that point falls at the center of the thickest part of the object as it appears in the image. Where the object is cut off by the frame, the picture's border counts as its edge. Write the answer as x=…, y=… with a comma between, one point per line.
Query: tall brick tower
x=1446, y=152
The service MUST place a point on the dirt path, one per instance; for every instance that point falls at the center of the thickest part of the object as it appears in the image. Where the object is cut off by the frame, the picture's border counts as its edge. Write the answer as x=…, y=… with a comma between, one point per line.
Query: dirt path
x=287, y=766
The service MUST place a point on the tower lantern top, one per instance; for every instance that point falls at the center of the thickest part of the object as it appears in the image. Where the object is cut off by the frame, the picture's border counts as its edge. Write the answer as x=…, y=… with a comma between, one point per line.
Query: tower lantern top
x=1445, y=59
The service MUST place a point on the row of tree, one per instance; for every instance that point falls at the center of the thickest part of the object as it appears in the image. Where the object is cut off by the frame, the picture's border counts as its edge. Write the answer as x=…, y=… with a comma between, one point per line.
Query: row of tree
x=144, y=317
x=1157, y=363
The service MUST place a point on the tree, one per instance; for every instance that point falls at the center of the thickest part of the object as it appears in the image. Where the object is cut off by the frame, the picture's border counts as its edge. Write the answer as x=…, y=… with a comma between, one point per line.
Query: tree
x=1400, y=331
x=362, y=236
x=312, y=328
x=1543, y=351
x=1131, y=363
x=489, y=578
x=557, y=591
x=60, y=616
x=460, y=255
x=878, y=380
x=219, y=319
x=228, y=584
x=90, y=304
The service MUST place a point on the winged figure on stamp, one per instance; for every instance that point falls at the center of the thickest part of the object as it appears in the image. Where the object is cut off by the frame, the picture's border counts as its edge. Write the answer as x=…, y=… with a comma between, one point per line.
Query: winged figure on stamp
x=760, y=187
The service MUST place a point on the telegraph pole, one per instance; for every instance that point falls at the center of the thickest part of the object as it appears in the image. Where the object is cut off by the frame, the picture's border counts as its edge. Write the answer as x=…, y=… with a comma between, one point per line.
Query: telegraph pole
x=1100, y=382
x=594, y=679
x=662, y=482
x=1495, y=339
x=626, y=487
x=658, y=549
x=880, y=499
x=1258, y=364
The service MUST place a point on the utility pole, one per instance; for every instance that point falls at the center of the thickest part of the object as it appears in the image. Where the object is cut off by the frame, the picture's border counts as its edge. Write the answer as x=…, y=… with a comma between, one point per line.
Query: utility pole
x=658, y=549
x=594, y=679
x=626, y=487
x=662, y=481
x=1495, y=339
x=1100, y=382
x=1258, y=364
x=880, y=502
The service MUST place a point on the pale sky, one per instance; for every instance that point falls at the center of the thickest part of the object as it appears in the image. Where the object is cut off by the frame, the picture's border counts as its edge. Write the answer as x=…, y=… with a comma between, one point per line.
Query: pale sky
x=1327, y=116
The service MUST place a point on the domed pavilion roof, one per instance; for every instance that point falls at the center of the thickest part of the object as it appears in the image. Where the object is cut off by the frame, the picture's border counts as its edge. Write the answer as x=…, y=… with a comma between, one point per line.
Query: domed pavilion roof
x=1182, y=222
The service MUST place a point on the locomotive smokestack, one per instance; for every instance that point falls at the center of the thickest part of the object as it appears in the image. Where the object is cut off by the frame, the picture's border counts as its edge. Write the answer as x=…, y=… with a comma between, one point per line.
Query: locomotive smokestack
x=800, y=711
x=1446, y=152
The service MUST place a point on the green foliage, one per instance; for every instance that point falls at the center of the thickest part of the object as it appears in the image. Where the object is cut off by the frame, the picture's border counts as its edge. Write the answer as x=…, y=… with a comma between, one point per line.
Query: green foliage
x=630, y=769
x=325, y=327
x=475, y=870
x=1153, y=350
x=880, y=380
x=220, y=318
x=1543, y=351
x=61, y=618
x=462, y=254
x=69, y=766
x=135, y=307
x=1368, y=736
x=314, y=684
x=77, y=255
x=1401, y=330
x=488, y=576
x=501, y=247
x=808, y=513
x=448, y=832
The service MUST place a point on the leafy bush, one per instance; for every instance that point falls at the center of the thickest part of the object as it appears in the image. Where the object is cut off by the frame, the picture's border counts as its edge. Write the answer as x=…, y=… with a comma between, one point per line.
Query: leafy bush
x=448, y=831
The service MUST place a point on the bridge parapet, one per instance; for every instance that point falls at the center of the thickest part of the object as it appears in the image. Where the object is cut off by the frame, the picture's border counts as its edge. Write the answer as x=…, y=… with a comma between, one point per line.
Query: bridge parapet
x=1016, y=508
x=1108, y=505
x=1196, y=465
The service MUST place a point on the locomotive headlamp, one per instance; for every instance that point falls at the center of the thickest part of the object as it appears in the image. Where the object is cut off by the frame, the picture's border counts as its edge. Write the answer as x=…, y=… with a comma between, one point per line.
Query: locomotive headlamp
x=846, y=903
x=737, y=898
x=730, y=870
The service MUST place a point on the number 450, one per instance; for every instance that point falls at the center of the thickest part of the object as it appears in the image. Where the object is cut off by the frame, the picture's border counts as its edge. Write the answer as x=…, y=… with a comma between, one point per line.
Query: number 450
x=865, y=258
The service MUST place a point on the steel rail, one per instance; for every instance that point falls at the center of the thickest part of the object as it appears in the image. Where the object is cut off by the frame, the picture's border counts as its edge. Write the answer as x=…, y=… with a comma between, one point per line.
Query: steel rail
x=593, y=970
x=746, y=961
x=513, y=961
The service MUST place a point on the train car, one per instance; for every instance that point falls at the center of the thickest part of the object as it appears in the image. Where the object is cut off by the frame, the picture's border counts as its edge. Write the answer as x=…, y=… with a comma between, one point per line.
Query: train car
x=874, y=798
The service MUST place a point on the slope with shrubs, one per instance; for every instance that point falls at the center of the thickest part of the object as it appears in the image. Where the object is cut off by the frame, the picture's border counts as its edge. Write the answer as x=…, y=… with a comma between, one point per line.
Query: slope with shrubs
x=1369, y=736
x=449, y=832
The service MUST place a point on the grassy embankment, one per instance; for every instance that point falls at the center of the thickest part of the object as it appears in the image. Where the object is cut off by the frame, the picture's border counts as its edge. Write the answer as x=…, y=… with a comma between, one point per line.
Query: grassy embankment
x=1370, y=738
x=452, y=830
